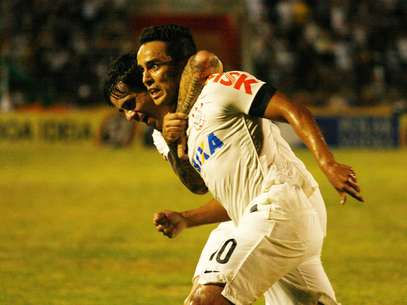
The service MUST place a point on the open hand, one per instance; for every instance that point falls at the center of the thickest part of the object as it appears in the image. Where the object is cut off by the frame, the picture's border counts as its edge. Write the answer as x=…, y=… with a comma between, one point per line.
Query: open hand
x=343, y=179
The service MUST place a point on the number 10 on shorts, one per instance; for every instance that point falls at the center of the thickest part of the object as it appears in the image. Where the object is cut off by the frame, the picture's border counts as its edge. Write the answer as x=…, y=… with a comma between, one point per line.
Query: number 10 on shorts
x=223, y=254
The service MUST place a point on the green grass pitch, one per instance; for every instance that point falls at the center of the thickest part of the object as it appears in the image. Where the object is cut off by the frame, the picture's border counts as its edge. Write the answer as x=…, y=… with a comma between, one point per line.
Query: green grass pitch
x=76, y=228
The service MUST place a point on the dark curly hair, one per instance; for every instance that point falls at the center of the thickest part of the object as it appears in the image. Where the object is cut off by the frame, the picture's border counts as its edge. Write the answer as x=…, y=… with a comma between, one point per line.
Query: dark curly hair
x=180, y=43
x=124, y=68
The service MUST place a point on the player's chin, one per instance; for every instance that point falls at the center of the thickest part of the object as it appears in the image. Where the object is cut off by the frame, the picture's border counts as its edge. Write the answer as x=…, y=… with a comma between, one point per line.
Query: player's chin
x=159, y=100
x=165, y=98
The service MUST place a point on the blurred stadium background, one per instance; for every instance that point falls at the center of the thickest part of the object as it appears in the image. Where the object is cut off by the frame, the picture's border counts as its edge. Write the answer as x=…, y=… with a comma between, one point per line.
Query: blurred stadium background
x=75, y=211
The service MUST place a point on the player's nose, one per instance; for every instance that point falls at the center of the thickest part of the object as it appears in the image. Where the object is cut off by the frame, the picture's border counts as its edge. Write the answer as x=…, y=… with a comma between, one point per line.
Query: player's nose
x=147, y=79
x=130, y=115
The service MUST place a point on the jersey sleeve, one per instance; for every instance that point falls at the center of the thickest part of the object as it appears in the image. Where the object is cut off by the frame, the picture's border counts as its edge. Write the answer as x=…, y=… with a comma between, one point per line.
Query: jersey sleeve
x=261, y=100
x=240, y=92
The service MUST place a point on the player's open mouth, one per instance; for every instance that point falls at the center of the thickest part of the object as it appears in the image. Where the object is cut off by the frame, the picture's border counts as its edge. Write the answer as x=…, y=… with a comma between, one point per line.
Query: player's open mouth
x=155, y=93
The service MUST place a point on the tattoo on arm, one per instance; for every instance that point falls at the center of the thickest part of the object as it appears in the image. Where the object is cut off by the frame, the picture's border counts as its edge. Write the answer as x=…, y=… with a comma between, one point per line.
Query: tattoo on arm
x=186, y=173
x=193, y=80
x=197, y=70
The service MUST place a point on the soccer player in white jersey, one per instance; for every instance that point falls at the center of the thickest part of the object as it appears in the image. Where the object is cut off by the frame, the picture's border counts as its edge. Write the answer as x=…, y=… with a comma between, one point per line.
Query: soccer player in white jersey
x=124, y=82
x=272, y=199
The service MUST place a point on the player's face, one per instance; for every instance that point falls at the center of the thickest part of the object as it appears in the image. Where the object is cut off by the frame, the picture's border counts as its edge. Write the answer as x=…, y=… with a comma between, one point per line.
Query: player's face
x=160, y=75
x=137, y=106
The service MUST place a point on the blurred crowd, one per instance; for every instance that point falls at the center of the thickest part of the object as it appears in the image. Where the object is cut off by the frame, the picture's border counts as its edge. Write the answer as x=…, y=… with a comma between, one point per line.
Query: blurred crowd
x=340, y=52
x=58, y=51
x=322, y=52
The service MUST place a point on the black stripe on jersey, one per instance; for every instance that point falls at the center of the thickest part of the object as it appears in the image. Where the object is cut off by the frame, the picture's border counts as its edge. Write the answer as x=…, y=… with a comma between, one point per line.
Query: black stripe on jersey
x=261, y=100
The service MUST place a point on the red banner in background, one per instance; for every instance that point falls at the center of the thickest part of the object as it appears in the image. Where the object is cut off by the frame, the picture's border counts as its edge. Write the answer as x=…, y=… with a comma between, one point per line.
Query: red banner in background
x=218, y=34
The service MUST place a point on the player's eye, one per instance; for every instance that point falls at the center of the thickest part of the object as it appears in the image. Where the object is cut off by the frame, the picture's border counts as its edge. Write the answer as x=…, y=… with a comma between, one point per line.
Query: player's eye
x=154, y=66
x=129, y=105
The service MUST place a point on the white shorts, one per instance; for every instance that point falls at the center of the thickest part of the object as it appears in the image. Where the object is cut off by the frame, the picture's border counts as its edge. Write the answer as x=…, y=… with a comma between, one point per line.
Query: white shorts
x=274, y=250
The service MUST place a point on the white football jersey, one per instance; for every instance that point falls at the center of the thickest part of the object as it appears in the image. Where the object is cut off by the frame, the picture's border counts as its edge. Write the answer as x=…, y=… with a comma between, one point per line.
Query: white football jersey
x=160, y=144
x=239, y=156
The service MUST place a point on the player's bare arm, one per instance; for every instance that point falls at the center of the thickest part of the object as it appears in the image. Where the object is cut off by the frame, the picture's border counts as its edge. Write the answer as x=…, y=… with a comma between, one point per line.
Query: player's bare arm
x=171, y=223
x=195, y=73
x=199, y=67
x=185, y=172
x=182, y=168
x=341, y=176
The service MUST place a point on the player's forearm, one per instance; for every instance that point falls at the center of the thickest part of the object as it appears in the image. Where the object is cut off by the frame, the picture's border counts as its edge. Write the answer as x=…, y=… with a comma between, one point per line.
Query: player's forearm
x=186, y=173
x=303, y=123
x=280, y=108
x=211, y=212
x=341, y=176
x=197, y=70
